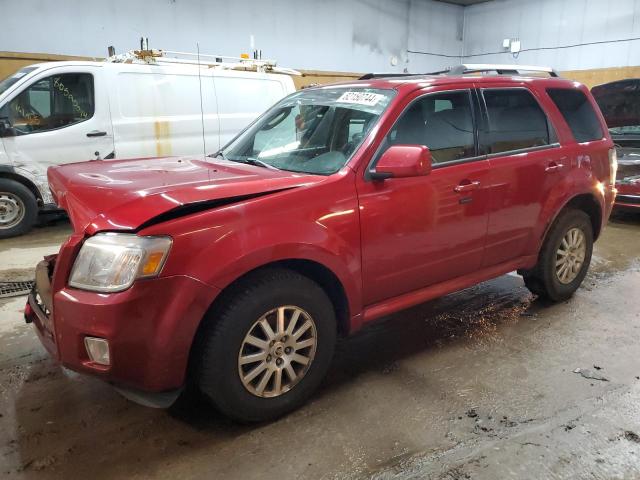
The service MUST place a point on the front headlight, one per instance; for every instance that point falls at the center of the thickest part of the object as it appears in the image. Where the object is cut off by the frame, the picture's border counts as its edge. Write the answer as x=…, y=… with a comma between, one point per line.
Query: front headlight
x=111, y=262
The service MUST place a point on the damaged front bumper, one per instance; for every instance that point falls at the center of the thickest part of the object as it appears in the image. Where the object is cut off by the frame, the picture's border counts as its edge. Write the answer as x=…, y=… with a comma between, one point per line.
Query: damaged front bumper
x=149, y=329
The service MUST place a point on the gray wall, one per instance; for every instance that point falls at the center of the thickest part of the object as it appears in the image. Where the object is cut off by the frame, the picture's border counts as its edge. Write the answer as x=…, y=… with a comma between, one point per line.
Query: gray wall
x=347, y=35
x=552, y=23
x=342, y=35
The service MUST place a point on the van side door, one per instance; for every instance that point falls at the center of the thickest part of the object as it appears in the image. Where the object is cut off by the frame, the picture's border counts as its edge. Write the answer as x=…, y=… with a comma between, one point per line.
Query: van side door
x=242, y=97
x=526, y=163
x=61, y=116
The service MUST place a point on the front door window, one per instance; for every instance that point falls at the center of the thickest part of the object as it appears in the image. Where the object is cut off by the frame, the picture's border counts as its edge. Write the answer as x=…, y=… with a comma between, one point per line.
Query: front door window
x=51, y=103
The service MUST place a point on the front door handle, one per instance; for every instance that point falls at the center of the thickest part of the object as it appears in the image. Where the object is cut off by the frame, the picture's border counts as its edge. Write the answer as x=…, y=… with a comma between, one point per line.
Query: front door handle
x=554, y=167
x=96, y=133
x=466, y=186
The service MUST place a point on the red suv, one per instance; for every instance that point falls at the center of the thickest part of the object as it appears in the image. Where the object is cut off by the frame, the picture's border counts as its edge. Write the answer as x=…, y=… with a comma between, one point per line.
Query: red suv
x=339, y=205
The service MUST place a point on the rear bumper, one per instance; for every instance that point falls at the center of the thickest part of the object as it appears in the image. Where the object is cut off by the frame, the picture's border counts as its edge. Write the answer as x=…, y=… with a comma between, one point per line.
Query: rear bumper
x=150, y=329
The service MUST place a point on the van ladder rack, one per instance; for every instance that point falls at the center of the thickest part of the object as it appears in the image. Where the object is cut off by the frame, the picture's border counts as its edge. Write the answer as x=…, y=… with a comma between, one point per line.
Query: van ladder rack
x=223, y=62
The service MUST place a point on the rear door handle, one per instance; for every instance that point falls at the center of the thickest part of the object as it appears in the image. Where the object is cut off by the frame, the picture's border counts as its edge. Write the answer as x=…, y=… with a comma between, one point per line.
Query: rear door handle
x=96, y=133
x=554, y=167
x=466, y=186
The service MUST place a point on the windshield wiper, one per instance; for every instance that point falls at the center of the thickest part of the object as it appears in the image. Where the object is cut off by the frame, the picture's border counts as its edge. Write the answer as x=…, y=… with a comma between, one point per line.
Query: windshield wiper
x=249, y=160
x=259, y=163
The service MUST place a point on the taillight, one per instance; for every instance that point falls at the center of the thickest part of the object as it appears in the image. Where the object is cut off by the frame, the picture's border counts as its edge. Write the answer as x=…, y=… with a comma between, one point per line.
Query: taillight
x=613, y=165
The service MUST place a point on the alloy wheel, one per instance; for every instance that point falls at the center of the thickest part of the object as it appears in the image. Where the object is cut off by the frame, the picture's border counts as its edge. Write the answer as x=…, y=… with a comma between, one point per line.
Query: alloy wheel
x=277, y=351
x=570, y=255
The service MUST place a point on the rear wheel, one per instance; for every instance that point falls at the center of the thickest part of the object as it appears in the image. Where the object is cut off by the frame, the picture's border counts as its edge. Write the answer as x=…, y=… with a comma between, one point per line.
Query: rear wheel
x=18, y=208
x=564, y=259
x=267, y=347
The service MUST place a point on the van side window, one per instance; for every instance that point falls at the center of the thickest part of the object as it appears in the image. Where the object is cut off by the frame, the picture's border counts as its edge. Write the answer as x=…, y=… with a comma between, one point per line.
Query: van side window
x=516, y=121
x=442, y=121
x=53, y=102
x=578, y=113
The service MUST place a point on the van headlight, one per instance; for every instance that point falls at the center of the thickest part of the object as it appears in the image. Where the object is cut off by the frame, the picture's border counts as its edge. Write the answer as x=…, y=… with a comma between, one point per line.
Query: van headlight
x=111, y=262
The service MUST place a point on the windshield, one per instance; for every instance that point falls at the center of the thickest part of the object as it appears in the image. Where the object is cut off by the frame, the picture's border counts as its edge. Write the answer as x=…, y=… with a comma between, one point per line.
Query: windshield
x=313, y=131
x=11, y=79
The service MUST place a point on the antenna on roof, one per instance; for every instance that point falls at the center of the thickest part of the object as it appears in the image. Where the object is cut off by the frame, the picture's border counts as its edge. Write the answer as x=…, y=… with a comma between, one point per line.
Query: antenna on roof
x=204, y=145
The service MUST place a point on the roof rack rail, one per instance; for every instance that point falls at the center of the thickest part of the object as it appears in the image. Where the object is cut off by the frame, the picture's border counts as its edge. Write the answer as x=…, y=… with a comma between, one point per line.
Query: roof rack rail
x=371, y=76
x=499, y=69
x=159, y=57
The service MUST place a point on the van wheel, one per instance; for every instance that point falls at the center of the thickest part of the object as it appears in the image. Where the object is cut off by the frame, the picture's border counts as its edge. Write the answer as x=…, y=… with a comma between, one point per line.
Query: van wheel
x=18, y=208
x=267, y=347
x=564, y=258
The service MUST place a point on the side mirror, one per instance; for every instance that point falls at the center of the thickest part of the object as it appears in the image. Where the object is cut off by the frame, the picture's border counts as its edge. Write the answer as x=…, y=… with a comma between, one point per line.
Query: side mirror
x=403, y=161
x=6, y=130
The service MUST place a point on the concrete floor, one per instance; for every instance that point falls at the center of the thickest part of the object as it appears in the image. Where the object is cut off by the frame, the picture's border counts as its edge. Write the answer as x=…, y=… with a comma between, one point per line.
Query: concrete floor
x=479, y=384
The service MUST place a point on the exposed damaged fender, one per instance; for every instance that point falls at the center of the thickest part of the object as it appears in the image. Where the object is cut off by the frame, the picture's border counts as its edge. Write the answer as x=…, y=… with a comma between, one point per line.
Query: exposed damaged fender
x=30, y=179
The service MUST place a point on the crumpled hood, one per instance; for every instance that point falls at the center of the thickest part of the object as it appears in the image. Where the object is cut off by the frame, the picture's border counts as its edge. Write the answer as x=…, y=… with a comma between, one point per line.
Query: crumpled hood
x=619, y=102
x=125, y=194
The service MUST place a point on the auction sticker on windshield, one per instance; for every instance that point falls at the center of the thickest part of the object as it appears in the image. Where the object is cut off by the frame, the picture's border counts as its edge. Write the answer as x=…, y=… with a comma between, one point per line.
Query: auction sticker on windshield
x=361, y=98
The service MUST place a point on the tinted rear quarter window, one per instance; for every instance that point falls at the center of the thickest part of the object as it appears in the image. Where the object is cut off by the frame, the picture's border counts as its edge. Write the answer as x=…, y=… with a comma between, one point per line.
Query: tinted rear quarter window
x=516, y=121
x=578, y=113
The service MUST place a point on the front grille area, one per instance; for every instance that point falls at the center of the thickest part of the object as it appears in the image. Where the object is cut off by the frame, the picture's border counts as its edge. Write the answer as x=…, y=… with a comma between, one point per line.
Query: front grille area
x=629, y=199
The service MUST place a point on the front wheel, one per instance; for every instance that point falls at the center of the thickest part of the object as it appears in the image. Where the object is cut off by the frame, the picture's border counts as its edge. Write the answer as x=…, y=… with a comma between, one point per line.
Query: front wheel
x=18, y=208
x=564, y=259
x=267, y=347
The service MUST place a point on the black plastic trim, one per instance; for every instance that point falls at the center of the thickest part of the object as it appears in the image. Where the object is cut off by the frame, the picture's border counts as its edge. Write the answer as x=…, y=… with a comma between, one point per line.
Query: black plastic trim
x=196, y=207
x=523, y=150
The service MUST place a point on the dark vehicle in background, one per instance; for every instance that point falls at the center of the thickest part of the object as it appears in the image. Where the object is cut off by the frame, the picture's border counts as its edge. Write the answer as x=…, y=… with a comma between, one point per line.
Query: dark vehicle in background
x=620, y=105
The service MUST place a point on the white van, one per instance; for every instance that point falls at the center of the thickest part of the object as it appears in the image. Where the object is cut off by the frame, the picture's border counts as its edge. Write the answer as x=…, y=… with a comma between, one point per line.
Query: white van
x=64, y=112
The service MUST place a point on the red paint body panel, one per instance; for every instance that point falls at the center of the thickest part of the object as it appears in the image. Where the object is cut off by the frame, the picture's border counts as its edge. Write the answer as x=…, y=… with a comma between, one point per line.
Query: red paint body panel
x=390, y=244
x=150, y=330
x=121, y=195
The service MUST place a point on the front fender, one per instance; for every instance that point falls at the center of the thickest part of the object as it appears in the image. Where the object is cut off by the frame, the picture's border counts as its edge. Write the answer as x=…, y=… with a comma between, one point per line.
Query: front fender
x=245, y=250
x=319, y=224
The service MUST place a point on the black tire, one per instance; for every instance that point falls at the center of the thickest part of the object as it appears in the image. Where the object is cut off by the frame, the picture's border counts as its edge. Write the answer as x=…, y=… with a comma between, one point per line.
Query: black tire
x=219, y=341
x=543, y=280
x=14, y=193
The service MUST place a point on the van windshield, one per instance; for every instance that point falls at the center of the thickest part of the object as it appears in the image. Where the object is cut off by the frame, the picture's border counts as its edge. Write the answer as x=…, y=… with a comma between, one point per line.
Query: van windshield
x=313, y=131
x=11, y=79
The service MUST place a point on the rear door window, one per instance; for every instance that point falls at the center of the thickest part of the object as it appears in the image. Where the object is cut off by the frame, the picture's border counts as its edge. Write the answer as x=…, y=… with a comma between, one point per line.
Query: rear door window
x=578, y=113
x=515, y=121
x=441, y=121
